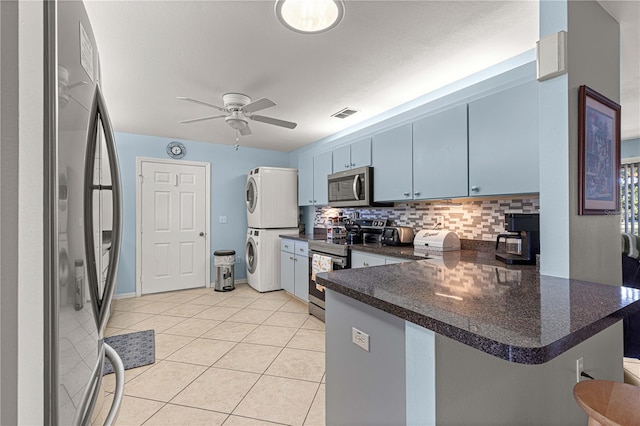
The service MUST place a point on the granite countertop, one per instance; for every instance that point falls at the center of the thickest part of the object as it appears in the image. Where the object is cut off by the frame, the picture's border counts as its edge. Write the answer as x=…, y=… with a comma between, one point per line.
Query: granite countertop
x=404, y=252
x=302, y=237
x=512, y=313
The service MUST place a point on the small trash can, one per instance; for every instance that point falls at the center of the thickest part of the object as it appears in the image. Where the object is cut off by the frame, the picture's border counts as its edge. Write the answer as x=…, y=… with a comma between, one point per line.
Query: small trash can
x=223, y=260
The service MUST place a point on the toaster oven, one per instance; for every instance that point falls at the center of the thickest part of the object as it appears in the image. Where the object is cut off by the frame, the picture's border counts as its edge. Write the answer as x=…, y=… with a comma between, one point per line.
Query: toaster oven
x=397, y=235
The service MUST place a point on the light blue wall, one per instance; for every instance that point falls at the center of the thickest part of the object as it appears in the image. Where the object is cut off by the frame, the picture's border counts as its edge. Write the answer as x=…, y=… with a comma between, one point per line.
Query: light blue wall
x=555, y=154
x=630, y=148
x=228, y=177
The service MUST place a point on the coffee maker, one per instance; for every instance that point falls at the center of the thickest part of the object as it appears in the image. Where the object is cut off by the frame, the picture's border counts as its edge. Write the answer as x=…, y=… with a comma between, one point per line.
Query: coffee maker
x=523, y=242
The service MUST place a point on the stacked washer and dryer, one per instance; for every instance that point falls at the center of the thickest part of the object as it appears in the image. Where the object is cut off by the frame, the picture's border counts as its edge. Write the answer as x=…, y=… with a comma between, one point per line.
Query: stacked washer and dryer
x=271, y=194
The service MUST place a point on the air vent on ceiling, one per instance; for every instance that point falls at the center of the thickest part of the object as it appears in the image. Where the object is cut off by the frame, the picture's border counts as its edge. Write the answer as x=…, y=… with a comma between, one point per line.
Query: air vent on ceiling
x=344, y=113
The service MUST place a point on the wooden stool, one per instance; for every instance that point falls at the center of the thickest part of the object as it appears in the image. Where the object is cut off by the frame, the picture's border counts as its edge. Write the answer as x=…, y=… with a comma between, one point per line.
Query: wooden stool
x=608, y=403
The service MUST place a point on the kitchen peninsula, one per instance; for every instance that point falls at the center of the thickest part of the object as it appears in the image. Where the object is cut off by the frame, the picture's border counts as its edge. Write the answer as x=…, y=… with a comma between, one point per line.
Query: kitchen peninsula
x=465, y=340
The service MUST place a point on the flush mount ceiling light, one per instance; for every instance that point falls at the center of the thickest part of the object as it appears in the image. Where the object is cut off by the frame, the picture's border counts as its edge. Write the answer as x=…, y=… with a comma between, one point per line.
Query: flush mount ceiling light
x=309, y=16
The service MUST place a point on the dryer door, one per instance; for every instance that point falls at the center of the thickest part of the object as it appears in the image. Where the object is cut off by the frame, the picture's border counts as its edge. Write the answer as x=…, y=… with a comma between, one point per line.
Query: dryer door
x=251, y=255
x=251, y=194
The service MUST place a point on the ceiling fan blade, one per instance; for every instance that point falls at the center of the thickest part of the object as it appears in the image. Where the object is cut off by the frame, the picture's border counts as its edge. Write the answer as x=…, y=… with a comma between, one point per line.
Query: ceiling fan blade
x=245, y=131
x=274, y=121
x=257, y=105
x=182, y=98
x=193, y=120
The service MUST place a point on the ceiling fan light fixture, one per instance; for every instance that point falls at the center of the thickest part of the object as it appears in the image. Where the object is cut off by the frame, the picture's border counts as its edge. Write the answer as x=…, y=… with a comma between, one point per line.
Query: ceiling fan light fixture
x=309, y=16
x=236, y=122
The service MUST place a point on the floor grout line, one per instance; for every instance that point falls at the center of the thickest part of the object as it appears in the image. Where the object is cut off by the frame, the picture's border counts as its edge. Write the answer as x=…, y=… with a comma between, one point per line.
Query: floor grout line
x=230, y=304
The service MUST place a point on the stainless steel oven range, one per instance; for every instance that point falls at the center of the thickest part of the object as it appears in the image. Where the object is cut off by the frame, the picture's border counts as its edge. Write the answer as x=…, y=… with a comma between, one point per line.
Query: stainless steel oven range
x=341, y=259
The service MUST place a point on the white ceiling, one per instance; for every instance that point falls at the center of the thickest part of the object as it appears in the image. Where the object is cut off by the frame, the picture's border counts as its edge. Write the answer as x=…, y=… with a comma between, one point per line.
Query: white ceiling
x=383, y=54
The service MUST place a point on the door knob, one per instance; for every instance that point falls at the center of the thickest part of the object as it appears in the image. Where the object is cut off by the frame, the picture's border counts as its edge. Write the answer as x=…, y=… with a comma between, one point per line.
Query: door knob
x=417, y=193
x=202, y=234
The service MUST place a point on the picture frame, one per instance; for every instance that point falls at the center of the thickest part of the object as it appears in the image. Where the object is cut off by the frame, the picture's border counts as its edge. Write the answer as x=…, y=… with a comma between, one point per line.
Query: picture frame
x=598, y=154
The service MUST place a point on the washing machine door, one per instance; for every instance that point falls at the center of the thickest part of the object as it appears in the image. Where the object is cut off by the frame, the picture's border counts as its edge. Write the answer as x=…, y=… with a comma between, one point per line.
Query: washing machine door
x=251, y=194
x=251, y=255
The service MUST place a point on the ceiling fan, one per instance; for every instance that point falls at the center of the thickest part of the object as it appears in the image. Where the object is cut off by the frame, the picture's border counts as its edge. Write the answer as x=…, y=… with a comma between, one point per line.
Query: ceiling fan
x=238, y=110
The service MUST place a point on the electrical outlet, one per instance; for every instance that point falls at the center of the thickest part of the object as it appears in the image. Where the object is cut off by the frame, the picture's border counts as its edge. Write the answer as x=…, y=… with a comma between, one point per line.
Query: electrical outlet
x=579, y=369
x=360, y=339
x=222, y=219
x=440, y=220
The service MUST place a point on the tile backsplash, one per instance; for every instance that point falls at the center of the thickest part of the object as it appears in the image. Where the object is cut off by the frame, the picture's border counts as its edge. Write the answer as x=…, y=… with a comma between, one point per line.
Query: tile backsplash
x=473, y=220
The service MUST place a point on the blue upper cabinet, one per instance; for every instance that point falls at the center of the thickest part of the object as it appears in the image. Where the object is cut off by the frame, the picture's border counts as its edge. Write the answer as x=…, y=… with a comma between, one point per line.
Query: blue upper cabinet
x=503, y=142
x=342, y=158
x=305, y=180
x=391, y=153
x=322, y=167
x=312, y=179
x=440, y=155
x=361, y=153
x=356, y=154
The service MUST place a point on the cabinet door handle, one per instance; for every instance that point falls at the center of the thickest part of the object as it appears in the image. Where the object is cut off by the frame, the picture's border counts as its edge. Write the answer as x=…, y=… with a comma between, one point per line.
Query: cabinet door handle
x=346, y=166
x=417, y=193
x=295, y=260
x=365, y=264
x=291, y=258
x=406, y=194
x=353, y=164
x=475, y=188
x=311, y=201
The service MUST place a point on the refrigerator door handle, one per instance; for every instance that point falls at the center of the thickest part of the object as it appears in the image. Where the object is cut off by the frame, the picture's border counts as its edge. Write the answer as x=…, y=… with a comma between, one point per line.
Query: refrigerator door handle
x=101, y=303
x=90, y=395
x=89, y=242
x=116, y=193
x=118, y=368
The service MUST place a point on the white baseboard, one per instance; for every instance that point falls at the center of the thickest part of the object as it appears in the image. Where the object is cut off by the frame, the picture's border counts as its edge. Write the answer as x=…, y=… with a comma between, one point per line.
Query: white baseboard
x=124, y=295
x=211, y=285
x=235, y=282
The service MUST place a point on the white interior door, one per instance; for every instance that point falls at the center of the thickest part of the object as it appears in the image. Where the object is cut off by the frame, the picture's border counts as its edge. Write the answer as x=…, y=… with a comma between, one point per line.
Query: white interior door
x=173, y=219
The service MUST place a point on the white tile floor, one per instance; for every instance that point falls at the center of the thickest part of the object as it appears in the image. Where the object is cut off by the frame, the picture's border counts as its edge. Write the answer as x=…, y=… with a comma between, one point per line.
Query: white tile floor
x=235, y=358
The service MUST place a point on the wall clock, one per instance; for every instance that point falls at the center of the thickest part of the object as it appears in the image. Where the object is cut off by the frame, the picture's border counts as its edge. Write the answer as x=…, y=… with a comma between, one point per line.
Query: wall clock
x=176, y=150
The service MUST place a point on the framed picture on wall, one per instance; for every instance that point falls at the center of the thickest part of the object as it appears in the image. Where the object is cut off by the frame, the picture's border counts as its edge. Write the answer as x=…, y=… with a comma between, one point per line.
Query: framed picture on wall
x=598, y=154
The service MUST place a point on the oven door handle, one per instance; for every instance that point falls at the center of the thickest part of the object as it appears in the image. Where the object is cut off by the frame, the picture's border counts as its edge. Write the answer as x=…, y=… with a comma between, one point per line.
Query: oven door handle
x=336, y=260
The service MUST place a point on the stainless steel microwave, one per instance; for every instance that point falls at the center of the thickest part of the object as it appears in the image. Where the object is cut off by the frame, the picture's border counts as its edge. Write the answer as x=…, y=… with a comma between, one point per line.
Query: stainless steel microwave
x=351, y=188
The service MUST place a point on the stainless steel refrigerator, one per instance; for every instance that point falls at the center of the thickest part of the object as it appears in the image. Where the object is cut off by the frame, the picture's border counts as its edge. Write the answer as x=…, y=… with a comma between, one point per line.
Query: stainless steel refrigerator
x=83, y=222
